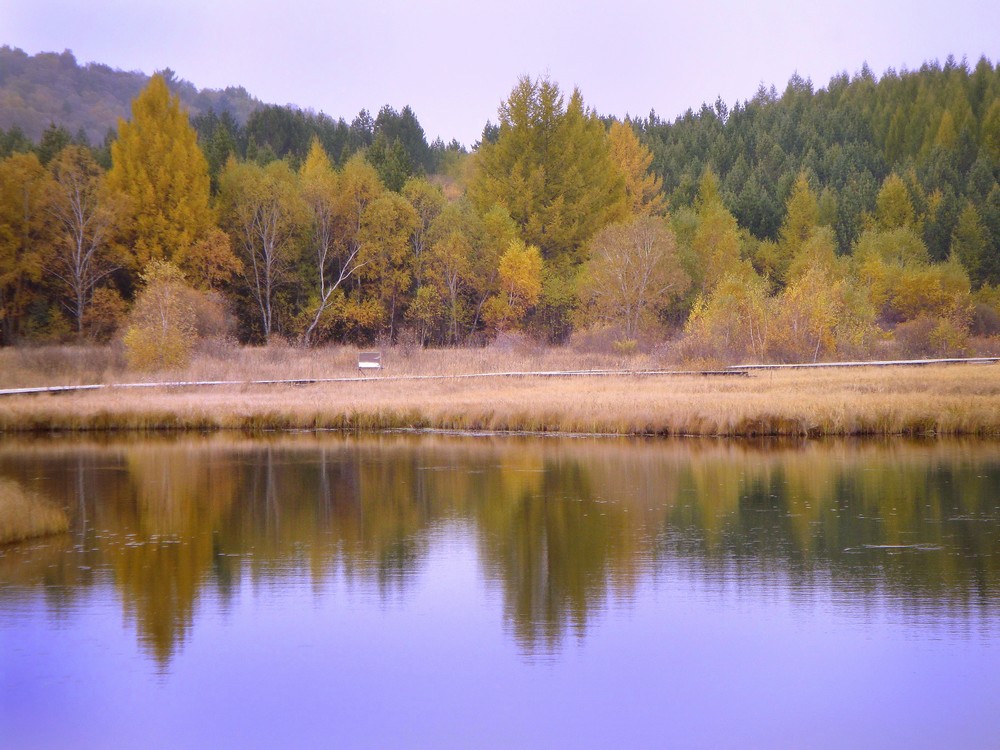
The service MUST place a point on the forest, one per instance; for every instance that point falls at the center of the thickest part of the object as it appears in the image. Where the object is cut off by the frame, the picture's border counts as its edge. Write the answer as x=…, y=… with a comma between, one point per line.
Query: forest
x=859, y=220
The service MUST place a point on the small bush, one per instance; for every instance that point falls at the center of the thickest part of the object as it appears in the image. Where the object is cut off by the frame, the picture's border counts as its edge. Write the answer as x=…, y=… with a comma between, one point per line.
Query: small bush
x=925, y=337
x=913, y=338
x=105, y=315
x=985, y=346
x=626, y=347
x=59, y=364
x=513, y=342
x=212, y=317
x=162, y=329
x=408, y=343
x=985, y=320
x=949, y=339
x=277, y=351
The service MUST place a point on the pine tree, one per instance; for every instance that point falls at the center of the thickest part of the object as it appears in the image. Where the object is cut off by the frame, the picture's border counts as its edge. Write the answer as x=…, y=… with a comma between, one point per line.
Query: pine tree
x=715, y=243
x=551, y=169
x=801, y=221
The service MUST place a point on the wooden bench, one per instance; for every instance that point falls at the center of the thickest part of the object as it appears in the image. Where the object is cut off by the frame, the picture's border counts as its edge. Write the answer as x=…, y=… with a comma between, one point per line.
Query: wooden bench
x=369, y=360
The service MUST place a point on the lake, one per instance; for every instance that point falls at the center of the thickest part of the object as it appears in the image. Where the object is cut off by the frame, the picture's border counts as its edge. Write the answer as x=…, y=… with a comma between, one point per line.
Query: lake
x=412, y=591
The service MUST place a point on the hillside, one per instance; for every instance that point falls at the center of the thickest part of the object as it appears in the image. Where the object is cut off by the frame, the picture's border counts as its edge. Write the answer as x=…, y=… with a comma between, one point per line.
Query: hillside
x=36, y=90
x=937, y=127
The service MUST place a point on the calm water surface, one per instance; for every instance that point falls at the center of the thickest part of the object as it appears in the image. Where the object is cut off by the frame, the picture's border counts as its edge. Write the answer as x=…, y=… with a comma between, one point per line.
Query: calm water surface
x=480, y=592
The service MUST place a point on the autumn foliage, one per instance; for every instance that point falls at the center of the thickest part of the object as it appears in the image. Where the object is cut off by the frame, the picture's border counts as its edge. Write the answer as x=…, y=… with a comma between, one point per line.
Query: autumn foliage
x=703, y=238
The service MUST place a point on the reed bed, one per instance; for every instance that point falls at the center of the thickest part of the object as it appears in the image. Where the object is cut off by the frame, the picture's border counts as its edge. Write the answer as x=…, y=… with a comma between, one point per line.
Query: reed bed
x=933, y=400
x=27, y=367
x=24, y=515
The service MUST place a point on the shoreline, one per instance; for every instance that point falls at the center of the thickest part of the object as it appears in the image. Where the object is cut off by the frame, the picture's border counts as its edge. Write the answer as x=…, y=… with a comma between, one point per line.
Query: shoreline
x=935, y=400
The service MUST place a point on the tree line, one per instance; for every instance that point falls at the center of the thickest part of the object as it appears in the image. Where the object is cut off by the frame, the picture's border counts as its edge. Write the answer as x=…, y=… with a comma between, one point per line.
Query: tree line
x=937, y=128
x=849, y=221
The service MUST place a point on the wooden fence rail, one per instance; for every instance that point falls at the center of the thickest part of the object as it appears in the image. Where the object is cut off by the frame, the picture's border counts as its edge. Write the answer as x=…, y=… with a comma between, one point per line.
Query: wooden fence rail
x=883, y=363
x=731, y=371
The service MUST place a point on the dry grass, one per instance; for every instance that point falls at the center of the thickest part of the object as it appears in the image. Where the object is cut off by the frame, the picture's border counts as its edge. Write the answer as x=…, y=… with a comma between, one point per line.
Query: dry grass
x=66, y=365
x=23, y=367
x=954, y=400
x=23, y=515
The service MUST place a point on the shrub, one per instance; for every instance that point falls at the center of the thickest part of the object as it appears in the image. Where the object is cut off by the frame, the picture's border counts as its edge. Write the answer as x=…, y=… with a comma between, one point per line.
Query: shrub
x=105, y=314
x=927, y=336
x=626, y=347
x=162, y=328
x=985, y=320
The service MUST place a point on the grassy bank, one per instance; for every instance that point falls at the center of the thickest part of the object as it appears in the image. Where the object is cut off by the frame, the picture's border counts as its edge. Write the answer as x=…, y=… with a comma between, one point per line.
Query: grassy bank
x=949, y=400
x=24, y=516
x=25, y=367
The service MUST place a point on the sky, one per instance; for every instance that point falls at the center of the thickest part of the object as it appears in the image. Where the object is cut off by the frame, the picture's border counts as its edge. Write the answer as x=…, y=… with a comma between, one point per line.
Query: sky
x=454, y=62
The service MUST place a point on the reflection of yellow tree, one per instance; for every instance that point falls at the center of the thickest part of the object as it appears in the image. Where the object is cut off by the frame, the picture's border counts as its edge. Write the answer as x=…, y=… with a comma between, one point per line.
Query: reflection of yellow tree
x=163, y=551
x=557, y=547
x=330, y=503
x=563, y=526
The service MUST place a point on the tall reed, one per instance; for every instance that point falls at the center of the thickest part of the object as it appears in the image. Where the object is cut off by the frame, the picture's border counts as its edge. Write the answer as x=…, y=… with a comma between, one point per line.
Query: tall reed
x=939, y=400
x=24, y=515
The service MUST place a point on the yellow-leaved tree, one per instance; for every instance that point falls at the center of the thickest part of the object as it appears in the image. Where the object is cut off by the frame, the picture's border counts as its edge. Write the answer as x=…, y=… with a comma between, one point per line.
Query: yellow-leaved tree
x=820, y=314
x=81, y=213
x=24, y=230
x=520, y=286
x=332, y=261
x=161, y=329
x=801, y=221
x=715, y=243
x=265, y=214
x=633, y=272
x=643, y=189
x=387, y=224
x=550, y=168
x=159, y=170
x=733, y=322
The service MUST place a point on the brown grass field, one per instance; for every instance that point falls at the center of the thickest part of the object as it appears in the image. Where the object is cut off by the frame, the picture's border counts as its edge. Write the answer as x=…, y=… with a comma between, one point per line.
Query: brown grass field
x=930, y=400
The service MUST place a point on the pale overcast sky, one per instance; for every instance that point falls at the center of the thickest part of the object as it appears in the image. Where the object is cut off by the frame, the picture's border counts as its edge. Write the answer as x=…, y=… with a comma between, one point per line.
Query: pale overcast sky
x=453, y=62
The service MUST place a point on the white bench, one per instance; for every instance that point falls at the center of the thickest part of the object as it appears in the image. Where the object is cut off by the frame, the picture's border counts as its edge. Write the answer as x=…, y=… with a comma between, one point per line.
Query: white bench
x=369, y=360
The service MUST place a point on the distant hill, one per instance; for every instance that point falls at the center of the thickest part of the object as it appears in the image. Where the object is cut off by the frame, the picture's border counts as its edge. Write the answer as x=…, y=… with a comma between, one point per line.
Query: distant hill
x=36, y=90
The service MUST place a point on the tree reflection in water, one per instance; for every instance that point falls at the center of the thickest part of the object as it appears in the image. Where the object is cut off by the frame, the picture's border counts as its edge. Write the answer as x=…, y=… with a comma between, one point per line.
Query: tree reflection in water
x=563, y=527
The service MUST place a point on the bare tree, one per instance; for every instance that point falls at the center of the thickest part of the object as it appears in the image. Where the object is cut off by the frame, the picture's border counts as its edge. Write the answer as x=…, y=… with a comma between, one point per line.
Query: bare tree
x=335, y=261
x=633, y=269
x=84, y=214
x=264, y=213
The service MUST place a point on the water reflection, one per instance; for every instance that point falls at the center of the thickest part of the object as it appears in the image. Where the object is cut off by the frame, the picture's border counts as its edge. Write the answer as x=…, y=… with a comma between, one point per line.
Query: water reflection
x=562, y=527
